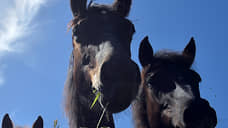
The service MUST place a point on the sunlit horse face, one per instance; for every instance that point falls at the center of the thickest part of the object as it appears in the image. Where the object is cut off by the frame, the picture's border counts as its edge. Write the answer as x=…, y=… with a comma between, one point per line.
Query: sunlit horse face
x=7, y=123
x=172, y=89
x=101, y=39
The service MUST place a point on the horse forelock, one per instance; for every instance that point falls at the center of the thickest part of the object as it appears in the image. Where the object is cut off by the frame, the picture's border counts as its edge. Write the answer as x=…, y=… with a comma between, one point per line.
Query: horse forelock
x=172, y=57
x=93, y=8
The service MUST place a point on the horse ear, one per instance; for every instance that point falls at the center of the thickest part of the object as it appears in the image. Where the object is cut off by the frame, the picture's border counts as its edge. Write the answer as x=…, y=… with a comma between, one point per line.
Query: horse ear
x=6, y=122
x=145, y=52
x=78, y=7
x=190, y=51
x=122, y=7
x=38, y=123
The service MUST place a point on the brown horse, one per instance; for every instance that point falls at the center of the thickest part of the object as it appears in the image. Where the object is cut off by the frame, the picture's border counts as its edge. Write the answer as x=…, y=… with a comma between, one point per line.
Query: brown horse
x=100, y=62
x=169, y=95
x=7, y=123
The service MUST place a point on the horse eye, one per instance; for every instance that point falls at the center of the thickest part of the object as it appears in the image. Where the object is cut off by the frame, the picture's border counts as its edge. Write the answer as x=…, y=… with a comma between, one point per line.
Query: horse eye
x=75, y=29
x=86, y=60
x=150, y=80
x=149, y=85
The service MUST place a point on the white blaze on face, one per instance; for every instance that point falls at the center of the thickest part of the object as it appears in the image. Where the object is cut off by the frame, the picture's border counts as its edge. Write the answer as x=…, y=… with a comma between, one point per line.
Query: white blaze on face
x=179, y=101
x=103, y=53
x=181, y=93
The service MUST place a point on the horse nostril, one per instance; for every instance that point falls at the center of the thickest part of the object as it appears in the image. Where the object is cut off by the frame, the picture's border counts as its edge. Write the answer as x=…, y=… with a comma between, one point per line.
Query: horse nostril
x=165, y=106
x=86, y=60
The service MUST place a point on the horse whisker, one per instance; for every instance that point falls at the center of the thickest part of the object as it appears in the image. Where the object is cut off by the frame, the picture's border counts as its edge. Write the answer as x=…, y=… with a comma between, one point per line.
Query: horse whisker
x=102, y=115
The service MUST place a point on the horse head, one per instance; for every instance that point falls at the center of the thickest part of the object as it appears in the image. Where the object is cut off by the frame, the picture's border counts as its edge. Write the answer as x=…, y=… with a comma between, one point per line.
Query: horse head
x=7, y=122
x=171, y=89
x=101, y=39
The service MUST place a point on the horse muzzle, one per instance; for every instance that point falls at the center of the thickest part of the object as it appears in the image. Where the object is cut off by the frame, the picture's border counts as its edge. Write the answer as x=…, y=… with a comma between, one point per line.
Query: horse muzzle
x=120, y=80
x=200, y=115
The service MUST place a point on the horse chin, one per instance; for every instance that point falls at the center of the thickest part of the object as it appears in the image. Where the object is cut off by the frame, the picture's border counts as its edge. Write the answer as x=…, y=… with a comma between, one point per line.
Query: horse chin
x=118, y=98
x=116, y=106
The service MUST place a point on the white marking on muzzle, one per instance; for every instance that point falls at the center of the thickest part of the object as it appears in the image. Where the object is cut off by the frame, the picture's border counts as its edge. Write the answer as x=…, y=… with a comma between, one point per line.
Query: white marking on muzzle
x=180, y=98
x=104, y=52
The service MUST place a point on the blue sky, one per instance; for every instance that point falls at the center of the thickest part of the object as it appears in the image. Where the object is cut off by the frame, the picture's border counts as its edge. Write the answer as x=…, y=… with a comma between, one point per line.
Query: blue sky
x=35, y=48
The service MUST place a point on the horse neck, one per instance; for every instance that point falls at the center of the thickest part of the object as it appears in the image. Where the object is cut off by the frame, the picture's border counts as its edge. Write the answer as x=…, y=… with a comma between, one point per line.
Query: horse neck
x=146, y=111
x=139, y=110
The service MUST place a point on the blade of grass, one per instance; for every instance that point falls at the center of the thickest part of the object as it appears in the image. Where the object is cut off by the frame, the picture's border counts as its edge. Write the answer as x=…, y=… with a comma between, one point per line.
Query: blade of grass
x=55, y=123
x=99, y=122
x=95, y=100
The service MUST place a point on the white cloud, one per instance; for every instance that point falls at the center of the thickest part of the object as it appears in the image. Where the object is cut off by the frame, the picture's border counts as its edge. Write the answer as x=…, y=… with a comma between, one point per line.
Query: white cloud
x=16, y=24
x=1, y=80
x=2, y=69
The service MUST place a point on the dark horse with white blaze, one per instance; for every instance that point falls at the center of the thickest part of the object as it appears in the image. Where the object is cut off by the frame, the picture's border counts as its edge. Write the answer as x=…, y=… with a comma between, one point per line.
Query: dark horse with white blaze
x=169, y=95
x=7, y=122
x=100, y=61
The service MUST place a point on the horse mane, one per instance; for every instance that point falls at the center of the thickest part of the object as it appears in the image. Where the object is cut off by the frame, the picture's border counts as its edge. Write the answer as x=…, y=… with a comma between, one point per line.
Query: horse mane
x=68, y=84
x=70, y=89
x=170, y=56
